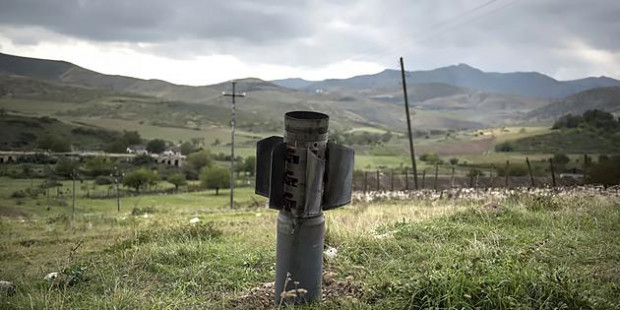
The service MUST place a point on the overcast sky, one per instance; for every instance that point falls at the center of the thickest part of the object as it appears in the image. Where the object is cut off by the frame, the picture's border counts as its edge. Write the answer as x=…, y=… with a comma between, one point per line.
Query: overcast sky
x=205, y=41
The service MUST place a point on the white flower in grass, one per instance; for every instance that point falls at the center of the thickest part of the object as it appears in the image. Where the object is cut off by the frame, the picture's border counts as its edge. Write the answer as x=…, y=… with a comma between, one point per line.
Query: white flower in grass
x=194, y=221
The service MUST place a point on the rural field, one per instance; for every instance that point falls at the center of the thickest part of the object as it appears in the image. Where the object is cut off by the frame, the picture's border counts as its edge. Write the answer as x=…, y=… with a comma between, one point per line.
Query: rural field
x=497, y=249
x=114, y=190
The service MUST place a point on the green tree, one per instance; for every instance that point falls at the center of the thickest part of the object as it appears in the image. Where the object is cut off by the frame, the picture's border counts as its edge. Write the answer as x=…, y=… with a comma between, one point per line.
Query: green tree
x=116, y=146
x=560, y=160
x=201, y=159
x=142, y=160
x=156, y=146
x=249, y=164
x=65, y=167
x=605, y=172
x=99, y=165
x=177, y=179
x=454, y=161
x=430, y=158
x=53, y=143
x=131, y=137
x=140, y=179
x=187, y=148
x=215, y=178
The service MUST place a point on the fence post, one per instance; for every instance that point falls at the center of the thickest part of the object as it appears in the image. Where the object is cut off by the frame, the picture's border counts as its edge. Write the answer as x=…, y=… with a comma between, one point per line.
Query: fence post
x=471, y=178
x=585, y=167
x=423, y=177
x=452, y=178
x=392, y=181
x=491, y=176
x=365, y=182
x=378, y=181
x=436, y=171
x=552, y=172
x=406, y=179
x=529, y=169
x=476, y=180
x=507, y=174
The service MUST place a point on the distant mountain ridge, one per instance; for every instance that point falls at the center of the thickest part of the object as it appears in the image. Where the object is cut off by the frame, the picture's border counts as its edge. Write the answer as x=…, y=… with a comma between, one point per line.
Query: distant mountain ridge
x=265, y=103
x=366, y=100
x=529, y=84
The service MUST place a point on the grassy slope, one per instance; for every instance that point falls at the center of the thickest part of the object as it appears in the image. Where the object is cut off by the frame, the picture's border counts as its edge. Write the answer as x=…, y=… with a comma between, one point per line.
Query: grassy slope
x=570, y=142
x=605, y=99
x=20, y=132
x=535, y=253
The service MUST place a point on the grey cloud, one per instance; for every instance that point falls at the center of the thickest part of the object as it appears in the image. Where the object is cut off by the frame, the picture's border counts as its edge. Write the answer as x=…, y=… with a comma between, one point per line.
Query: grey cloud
x=503, y=35
x=160, y=20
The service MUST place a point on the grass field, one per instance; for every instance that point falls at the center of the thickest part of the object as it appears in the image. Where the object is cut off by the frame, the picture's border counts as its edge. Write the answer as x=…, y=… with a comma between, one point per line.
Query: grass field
x=531, y=252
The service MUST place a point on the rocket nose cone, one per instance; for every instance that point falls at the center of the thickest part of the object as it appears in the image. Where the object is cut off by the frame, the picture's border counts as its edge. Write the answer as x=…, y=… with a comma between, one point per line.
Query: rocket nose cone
x=304, y=121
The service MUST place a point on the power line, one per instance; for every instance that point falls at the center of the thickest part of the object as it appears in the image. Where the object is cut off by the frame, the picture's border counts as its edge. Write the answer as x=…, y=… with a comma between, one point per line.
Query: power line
x=435, y=31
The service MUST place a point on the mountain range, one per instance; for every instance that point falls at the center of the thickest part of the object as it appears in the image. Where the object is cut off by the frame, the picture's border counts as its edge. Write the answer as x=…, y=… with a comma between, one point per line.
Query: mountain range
x=453, y=97
x=528, y=84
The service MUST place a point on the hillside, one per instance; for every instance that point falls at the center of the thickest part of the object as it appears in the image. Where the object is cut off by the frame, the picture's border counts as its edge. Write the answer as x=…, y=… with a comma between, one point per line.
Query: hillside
x=261, y=111
x=24, y=133
x=605, y=99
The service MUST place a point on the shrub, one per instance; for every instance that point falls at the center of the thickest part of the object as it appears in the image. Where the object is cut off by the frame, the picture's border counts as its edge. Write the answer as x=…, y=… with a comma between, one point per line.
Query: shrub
x=505, y=147
x=18, y=194
x=430, y=158
x=140, y=211
x=177, y=179
x=104, y=180
x=141, y=178
x=515, y=170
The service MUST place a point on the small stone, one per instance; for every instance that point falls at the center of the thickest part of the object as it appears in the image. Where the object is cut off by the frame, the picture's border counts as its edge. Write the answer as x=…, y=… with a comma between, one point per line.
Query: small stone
x=331, y=252
x=7, y=288
x=51, y=276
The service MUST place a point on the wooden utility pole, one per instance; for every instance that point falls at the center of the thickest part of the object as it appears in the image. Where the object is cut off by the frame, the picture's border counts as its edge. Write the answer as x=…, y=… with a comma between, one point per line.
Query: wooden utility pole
x=117, y=175
x=452, y=178
x=232, y=141
x=529, y=169
x=411, y=149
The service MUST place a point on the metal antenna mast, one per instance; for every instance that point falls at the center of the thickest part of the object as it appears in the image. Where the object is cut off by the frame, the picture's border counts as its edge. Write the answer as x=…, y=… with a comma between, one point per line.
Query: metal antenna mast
x=232, y=140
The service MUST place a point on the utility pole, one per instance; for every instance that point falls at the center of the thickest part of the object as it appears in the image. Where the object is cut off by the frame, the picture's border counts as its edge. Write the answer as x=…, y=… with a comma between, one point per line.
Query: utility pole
x=232, y=141
x=117, y=175
x=411, y=150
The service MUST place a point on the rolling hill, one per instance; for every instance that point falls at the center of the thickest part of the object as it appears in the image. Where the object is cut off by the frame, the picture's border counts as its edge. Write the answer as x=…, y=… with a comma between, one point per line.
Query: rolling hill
x=605, y=99
x=454, y=97
x=263, y=107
